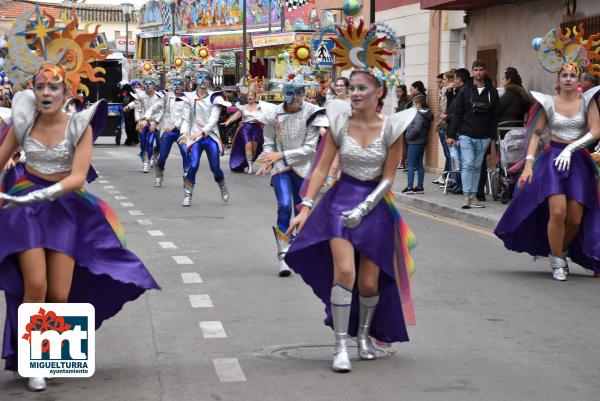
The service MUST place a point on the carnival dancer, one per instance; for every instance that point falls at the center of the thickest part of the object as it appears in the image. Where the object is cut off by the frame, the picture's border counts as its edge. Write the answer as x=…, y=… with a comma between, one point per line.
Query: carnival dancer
x=203, y=135
x=248, y=140
x=291, y=136
x=557, y=212
x=175, y=123
x=58, y=242
x=352, y=247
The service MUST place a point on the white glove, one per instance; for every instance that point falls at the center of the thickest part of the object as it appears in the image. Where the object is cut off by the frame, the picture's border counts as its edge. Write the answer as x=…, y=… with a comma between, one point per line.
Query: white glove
x=597, y=149
x=352, y=218
x=50, y=193
x=563, y=161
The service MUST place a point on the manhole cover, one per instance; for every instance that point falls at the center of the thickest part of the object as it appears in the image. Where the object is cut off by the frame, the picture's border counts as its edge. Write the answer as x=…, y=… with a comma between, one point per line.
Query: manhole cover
x=315, y=352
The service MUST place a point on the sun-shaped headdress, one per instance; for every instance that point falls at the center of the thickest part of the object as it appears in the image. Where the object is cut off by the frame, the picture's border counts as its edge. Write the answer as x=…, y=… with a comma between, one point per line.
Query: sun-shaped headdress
x=362, y=48
x=569, y=49
x=64, y=52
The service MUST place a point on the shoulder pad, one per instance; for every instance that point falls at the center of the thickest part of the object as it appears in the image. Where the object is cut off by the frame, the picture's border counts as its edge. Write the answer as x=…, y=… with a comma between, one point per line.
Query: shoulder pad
x=24, y=113
x=338, y=114
x=94, y=116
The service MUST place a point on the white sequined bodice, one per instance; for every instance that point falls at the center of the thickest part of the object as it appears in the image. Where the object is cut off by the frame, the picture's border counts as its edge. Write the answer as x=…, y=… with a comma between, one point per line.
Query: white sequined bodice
x=363, y=163
x=250, y=116
x=54, y=160
x=568, y=128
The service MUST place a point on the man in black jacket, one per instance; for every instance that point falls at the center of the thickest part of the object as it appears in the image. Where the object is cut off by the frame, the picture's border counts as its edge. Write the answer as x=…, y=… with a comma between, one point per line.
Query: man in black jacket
x=473, y=124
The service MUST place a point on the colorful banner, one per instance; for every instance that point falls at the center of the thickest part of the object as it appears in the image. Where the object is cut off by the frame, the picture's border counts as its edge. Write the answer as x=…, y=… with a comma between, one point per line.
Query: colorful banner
x=214, y=15
x=227, y=42
x=274, y=39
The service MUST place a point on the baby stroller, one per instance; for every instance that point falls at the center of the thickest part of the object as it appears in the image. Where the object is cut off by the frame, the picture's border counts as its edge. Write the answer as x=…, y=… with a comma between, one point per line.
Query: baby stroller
x=511, y=145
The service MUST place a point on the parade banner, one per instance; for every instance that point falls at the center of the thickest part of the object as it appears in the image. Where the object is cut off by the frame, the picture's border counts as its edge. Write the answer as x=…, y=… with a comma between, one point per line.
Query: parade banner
x=214, y=15
x=273, y=39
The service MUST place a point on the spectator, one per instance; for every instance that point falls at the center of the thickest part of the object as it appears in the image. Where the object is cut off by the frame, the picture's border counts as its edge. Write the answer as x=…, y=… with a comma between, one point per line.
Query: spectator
x=416, y=137
x=440, y=81
x=474, y=125
x=461, y=77
x=515, y=101
x=448, y=84
x=402, y=96
x=340, y=90
x=588, y=81
x=129, y=115
x=416, y=88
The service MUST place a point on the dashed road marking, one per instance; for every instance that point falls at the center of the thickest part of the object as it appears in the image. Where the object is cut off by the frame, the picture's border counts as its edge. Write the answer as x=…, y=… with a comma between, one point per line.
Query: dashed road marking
x=102, y=181
x=114, y=192
x=167, y=245
x=127, y=204
x=121, y=197
x=191, y=278
x=144, y=222
x=109, y=187
x=156, y=233
x=136, y=213
x=212, y=330
x=200, y=301
x=229, y=370
x=183, y=260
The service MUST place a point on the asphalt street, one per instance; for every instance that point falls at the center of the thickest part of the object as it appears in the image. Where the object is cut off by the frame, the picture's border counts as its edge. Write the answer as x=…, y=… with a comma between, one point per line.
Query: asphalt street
x=491, y=324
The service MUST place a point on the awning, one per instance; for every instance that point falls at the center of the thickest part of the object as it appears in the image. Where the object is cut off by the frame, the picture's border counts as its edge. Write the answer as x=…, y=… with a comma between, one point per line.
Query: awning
x=274, y=39
x=456, y=4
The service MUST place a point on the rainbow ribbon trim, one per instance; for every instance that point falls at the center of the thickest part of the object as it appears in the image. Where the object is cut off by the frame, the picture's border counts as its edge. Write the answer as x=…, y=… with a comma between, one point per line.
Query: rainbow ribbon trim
x=404, y=265
x=24, y=183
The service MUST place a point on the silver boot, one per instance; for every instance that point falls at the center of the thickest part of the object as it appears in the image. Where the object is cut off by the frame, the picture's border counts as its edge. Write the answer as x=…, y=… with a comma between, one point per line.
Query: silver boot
x=159, y=178
x=188, y=190
x=36, y=384
x=250, y=166
x=145, y=166
x=283, y=244
x=558, y=265
x=341, y=300
x=224, y=191
x=366, y=350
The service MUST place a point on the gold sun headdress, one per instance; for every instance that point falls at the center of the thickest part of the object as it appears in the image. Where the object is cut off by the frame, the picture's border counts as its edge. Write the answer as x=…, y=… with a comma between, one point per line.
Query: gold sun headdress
x=569, y=50
x=362, y=48
x=63, y=52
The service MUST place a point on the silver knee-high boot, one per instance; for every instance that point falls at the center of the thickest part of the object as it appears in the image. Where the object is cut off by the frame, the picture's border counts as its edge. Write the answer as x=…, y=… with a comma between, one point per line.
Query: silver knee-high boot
x=559, y=268
x=283, y=244
x=224, y=191
x=366, y=350
x=249, y=161
x=188, y=190
x=341, y=300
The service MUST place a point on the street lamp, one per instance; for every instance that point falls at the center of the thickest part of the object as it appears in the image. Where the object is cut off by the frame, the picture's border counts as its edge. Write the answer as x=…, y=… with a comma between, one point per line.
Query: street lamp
x=127, y=9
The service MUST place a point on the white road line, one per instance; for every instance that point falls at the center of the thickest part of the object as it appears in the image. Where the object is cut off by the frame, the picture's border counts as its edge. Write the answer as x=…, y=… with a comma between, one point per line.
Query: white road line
x=100, y=176
x=167, y=245
x=156, y=233
x=144, y=222
x=200, y=301
x=102, y=181
x=127, y=204
x=136, y=213
x=109, y=187
x=229, y=370
x=121, y=197
x=191, y=278
x=183, y=260
x=114, y=192
x=212, y=330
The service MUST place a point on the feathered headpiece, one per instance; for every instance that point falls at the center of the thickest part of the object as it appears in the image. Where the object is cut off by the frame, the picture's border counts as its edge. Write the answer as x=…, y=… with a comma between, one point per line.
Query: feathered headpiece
x=62, y=52
x=560, y=49
x=362, y=48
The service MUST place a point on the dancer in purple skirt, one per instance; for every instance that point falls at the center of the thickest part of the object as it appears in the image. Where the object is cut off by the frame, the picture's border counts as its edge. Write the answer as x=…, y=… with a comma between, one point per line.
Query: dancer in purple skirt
x=557, y=212
x=58, y=242
x=248, y=140
x=351, y=249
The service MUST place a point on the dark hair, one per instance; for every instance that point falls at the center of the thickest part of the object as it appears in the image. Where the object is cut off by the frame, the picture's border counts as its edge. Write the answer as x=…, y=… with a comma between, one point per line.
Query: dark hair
x=418, y=85
x=463, y=74
x=478, y=63
x=346, y=81
x=587, y=76
x=403, y=87
x=513, y=76
x=440, y=76
x=420, y=99
x=376, y=83
x=449, y=74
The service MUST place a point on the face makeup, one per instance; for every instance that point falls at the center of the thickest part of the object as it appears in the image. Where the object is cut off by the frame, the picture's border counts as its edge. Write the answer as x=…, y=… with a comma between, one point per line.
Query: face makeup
x=363, y=92
x=49, y=94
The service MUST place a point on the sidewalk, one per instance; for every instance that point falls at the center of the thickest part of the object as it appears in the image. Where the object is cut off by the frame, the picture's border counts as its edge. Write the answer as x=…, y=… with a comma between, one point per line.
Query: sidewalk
x=447, y=205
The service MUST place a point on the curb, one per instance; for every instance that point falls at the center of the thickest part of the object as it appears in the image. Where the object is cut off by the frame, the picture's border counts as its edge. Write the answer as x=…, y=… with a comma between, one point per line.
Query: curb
x=447, y=211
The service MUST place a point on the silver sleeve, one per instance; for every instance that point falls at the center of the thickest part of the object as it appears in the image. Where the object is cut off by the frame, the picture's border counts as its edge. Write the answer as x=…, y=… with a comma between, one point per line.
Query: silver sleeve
x=307, y=150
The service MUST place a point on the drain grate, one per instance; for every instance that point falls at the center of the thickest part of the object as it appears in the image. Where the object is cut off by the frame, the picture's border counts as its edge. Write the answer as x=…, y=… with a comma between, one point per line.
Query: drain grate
x=315, y=352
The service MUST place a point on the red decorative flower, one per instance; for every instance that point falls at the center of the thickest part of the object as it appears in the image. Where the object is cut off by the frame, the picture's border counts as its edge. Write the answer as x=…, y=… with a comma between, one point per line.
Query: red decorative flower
x=291, y=76
x=44, y=321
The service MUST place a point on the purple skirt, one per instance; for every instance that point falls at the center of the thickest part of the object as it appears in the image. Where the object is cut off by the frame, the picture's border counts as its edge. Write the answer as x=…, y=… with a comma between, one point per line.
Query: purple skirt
x=523, y=227
x=82, y=226
x=247, y=132
x=376, y=238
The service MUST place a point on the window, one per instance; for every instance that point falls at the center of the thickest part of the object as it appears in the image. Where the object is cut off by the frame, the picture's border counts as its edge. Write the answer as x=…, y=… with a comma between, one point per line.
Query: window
x=490, y=58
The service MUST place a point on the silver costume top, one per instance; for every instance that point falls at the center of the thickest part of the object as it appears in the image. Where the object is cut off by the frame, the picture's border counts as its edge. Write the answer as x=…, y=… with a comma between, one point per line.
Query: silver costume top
x=204, y=115
x=294, y=134
x=155, y=106
x=143, y=103
x=58, y=158
x=175, y=112
x=568, y=129
x=365, y=163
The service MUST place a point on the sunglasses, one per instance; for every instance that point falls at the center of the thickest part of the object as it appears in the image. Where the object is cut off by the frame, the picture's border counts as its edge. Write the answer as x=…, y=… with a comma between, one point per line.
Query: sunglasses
x=567, y=75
